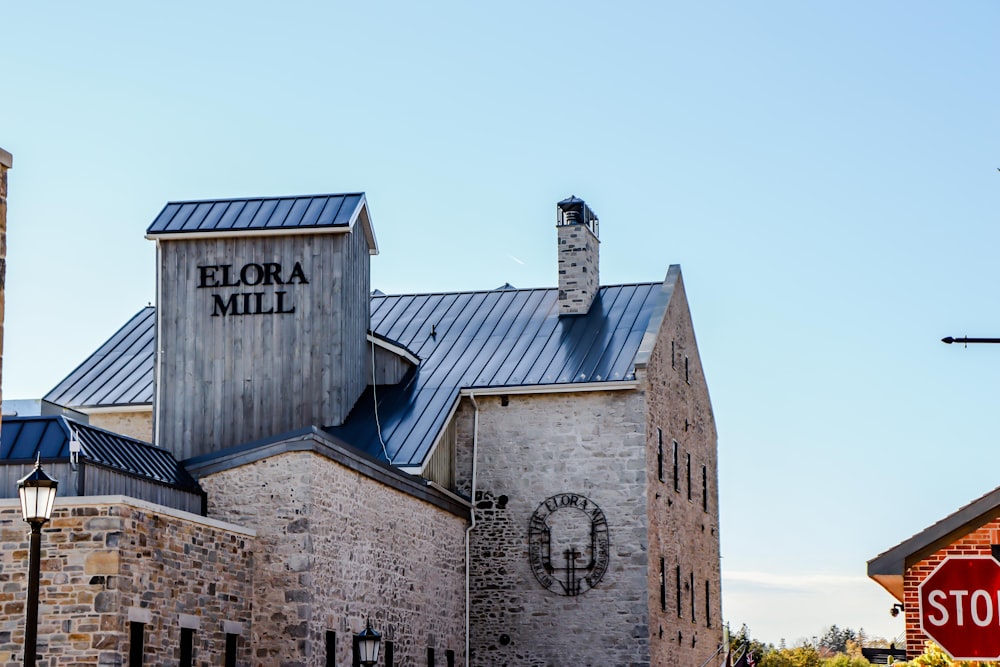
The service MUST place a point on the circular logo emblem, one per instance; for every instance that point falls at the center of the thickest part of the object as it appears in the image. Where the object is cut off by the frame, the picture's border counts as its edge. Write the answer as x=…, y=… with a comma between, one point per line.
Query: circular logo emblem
x=568, y=545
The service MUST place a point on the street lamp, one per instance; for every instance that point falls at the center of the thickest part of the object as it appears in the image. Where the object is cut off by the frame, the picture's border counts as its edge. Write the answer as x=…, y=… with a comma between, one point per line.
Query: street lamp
x=37, y=491
x=368, y=645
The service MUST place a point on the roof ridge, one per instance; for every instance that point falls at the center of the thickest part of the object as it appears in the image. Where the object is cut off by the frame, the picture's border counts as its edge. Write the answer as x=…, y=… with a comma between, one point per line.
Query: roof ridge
x=516, y=289
x=259, y=198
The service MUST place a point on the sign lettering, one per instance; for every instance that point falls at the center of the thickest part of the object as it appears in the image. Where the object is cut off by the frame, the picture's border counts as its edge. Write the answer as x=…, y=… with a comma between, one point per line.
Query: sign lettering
x=252, y=274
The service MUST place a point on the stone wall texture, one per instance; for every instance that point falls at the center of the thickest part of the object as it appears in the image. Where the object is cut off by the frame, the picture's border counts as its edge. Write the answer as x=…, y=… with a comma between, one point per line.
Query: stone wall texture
x=578, y=268
x=686, y=606
x=5, y=163
x=133, y=424
x=603, y=446
x=588, y=444
x=335, y=548
x=104, y=562
x=976, y=543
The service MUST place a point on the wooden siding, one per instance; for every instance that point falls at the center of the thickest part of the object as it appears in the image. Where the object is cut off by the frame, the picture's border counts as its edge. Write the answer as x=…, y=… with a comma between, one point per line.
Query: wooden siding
x=441, y=467
x=230, y=379
x=389, y=367
x=94, y=480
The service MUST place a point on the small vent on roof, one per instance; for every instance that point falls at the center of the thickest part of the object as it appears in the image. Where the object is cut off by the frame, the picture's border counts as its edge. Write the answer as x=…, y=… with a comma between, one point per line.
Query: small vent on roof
x=377, y=292
x=506, y=287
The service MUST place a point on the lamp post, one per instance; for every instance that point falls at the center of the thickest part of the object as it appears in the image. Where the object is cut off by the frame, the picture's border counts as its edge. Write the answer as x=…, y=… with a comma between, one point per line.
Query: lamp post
x=38, y=492
x=368, y=645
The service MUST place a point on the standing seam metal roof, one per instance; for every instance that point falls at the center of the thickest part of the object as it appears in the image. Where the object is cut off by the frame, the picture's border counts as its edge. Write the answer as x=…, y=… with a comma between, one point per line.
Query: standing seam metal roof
x=24, y=438
x=488, y=339
x=119, y=373
x=259, y=213
x=505, y=338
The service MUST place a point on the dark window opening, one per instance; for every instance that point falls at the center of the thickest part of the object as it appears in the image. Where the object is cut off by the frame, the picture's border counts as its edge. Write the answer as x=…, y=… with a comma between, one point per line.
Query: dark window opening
x=687, y=371
x=708, y=605
x=689, y=475
x=659, y=453
x=137, y=642
x=449, y=657
x=677, y=470
x=187, y=647
x=678, y=583
x=355, y=652
x=691, y=584
x=673, y=354
x=390, y=649
x=231, y=644
x=331, y=648
x=430, y=657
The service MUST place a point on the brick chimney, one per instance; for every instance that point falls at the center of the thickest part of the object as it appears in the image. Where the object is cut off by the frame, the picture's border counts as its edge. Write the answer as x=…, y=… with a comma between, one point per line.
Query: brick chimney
x=6, y=162
x=576, y=227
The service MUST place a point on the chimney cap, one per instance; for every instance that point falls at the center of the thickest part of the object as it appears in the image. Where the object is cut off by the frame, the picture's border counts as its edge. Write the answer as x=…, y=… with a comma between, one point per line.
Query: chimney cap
x=571, y=202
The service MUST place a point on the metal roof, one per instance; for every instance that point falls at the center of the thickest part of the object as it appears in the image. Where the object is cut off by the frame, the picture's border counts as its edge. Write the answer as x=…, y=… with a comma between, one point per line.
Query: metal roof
x=262, y=214
x=476, y=340
x=494, y=339
x=24, y=438
x=119, y=373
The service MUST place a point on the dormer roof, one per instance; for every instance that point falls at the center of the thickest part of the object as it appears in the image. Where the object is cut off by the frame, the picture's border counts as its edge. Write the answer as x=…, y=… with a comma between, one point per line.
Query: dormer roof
x=262, y=216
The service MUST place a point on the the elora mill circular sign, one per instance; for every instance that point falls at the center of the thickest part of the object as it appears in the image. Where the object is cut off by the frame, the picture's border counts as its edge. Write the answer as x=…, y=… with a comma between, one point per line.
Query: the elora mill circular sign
x=568, y=545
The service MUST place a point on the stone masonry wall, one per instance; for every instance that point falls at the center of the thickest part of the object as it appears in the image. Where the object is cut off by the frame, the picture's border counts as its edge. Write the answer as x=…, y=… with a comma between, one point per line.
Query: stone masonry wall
x=133, y=424
x=977, y=543
x=578, y=268
x=336, y=548
x=685, y=606
x=6, y=162
x=111, y=559
x=588, y=446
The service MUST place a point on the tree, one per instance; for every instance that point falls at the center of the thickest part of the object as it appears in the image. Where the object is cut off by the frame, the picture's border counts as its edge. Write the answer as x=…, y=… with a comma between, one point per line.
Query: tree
x=835, y=639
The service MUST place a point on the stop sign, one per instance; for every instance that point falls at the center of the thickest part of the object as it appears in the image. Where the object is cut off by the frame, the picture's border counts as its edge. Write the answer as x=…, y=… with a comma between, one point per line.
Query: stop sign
x=960, y=607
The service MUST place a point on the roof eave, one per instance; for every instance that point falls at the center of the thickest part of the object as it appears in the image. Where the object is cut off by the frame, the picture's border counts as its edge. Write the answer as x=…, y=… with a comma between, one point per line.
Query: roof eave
x=893, y=562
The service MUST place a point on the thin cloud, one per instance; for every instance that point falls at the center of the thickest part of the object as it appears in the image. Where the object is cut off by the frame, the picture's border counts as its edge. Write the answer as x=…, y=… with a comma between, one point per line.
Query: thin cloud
x=800, y=582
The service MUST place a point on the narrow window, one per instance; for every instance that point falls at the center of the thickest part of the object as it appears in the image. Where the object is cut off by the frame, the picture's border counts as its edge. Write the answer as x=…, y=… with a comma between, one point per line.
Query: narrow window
x=137, y=642
x=231, y=644
x=187, y=647
x=689, y=475
x=677, y=471
x=389, y=650
x=691, y=584
x=331, y=648
x=430, y=657
x=449, y=657
x=704, y=488
x=663, y=586
x=355, y=653
x=679, y=615
x=659, y=452
x=708, y=605
x=673, y=355
x=687, y=371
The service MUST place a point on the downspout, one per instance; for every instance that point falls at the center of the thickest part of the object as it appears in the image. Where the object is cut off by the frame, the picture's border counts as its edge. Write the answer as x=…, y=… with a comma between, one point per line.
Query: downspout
x=468, y=532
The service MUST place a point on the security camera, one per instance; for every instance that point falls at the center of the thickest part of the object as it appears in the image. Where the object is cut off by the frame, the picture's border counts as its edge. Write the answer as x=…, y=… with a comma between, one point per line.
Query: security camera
x=896, y=608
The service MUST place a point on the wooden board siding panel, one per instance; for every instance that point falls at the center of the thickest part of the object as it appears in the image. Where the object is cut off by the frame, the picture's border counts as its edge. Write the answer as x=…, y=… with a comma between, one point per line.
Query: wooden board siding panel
x=100, y=481
x=229, y=379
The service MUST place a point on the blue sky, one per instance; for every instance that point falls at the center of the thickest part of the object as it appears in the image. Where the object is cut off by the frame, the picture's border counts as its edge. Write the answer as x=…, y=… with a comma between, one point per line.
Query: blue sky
x=825, y=174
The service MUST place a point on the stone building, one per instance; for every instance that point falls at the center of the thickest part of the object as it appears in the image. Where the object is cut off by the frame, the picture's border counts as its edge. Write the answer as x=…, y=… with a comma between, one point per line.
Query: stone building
x=503, y=477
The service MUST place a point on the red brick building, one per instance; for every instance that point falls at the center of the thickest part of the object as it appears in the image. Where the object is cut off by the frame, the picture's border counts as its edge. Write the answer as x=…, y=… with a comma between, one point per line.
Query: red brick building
x=973, y=530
